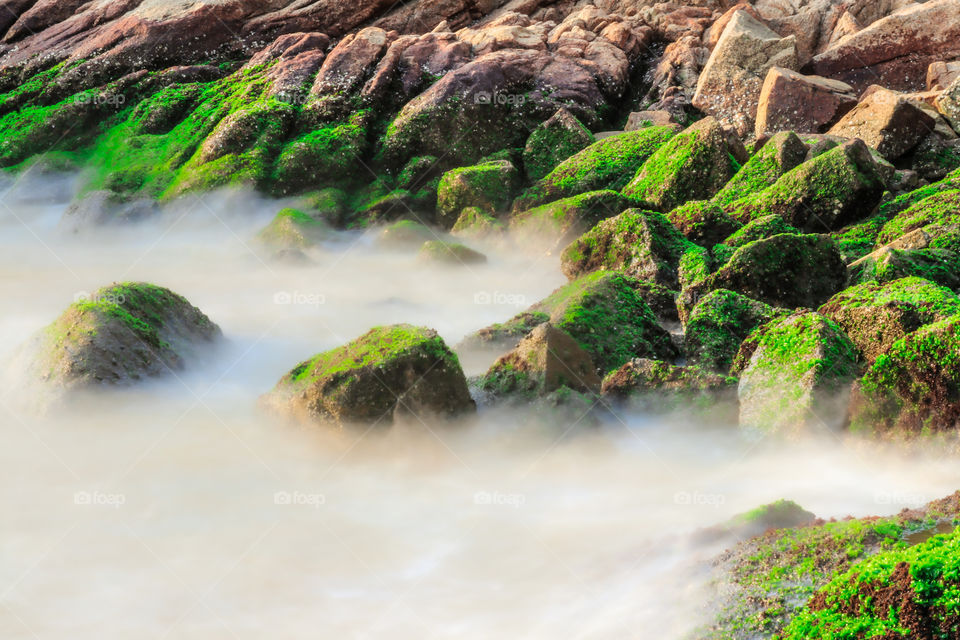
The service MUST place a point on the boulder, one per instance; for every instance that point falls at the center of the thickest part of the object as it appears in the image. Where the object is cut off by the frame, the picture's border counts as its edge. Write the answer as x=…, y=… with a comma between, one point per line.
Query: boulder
x=609, y=163
x=824, y=194
x=386, y=373
x=949, y=104
x=119, y=335
x=293, y=229
x=544, y=361
x=489, y=186
x=941, y=75
x=559, y=222
x=104, y=208
x=718, y=325
x=729, y=86
x=781, y=514
x=941, y=266
x=641, y=244
x=474, y=222
x=787, y=270
x=405, y=234
x=703, y=222
x=553, y=142
x=935, y=207
x=791, y=101
x=781, y=154
x=875, y=316
x=796, y=374
x=449, y=253
x=694, y=165
x=663, y=387
x=886, y=122
x=914, y=388
x=644, y=119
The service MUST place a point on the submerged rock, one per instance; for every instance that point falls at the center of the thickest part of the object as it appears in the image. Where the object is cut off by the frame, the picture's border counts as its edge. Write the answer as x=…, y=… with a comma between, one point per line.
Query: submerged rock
x=405, y=234
x=293, y=229
x=121, y=334
x=451, y=253
x=489, y=186
x=387, y=373
x=559, y=222
x=105, y=208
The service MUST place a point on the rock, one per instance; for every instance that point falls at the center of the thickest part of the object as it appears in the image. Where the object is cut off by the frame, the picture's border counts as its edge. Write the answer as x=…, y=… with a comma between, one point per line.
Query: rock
x=826, y=193
x=474, y=222
x=553, y=142
x=718, y=325
x=703, y=222
x=941, y=75
x=787, y=270
x=386, y=373
x=781, y=514
x=694, y=165
x=875, y=316
x=609, y=163
x=790, y=101
x=913, y=388
x=449, y=253
x=941, y=266
x=559, y=222
x=759, y=229
x=644, y=119
x=886, y=122
x=489, y=186
x=661, y=300
x=729, y=86
x=544, y=361
x=603, y=312
x=663, y=387
x=121, y=334
x=104, y=208
x=405, y=234
x=949, y=104
x=896, y=50
x=640, y=244
x=796, y=374
x=674, y=79
x=293, y=229
x=781, y=154
x=941, y=207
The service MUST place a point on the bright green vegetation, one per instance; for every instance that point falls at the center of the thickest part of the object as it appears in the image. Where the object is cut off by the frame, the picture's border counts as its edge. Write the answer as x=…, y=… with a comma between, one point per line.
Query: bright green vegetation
x=759, y=229
x=703, y=222
x=929, y=300
x=489, y=186
x=719, y=323
x=858, y=240
x=474, y=221
x=942, y=208
x=693, y=165
x=898, y=593
x=292, y=229
x=609, y=163
x=449, y=253
x=553, y=142
x=783, y=152
x=937, y=265
x=663, y=387
x=569, y=217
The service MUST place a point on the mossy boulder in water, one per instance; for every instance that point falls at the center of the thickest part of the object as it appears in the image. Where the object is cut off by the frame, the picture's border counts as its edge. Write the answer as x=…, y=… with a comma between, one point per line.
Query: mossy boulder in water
x=719, y=324
x=641, y=244
x=474, y=222
x=450, y=253
x=692, y=166
x=609, y=163
x=795, y=374
x=544, y=361
x=787, y=270
x=875, y=315
x=293, y=229
x=664, y=387
x=780, y=154
x=553, y=142
x=560, y=222
x=914, y=387
x=489, y=186
x=389, y=372
x=119, y=335
x=824, y=194
x=405, y=234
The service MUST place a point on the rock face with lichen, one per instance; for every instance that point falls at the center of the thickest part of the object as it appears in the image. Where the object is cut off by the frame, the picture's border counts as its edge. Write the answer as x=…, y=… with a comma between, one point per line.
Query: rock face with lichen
x=389, y=372
x=119, y=335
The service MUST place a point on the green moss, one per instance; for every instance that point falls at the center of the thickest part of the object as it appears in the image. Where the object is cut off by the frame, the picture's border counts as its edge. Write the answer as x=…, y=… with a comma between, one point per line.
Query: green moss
x=937, y=265
x=489, y=186
x=942, y=208
x=569, y=216
x=292, y=228
x=719, y=323
x=552, y=142
x=782, y=153
x=323, y=156
x=450, y=253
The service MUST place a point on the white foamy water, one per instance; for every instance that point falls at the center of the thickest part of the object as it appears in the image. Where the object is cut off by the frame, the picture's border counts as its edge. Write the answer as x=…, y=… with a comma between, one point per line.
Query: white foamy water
x=179, y=510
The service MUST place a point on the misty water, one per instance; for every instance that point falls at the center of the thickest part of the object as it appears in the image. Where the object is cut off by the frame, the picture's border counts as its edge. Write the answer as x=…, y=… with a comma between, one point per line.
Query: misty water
x=179, y=510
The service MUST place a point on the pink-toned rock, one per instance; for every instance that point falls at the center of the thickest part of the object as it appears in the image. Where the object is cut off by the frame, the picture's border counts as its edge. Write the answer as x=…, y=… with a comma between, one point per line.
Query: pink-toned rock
x=791, y=101
x=351, y=61
x=712, y=35
x=941, y=75
x=641, y=119
x=886, y=122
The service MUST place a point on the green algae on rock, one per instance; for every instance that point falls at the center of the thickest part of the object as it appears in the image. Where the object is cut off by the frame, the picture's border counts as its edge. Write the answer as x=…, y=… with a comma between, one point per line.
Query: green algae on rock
x=660, y=386
x=293, y=229
x=489, y=186
x=703, y=222
x=779, y=155
x=561, y=221
x=119, y=335
x=388, y=373
x=552, y=142
x=450, y=253
x=405, y=234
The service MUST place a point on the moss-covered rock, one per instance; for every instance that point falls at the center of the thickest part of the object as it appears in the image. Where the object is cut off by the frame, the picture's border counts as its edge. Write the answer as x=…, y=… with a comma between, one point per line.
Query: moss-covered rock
x=293, y=229
x=914, y=388
x=553, y=142
x=665, y=387
x=796, y=374
x=875, y=315
x=703, y=222
x=781, y=514
x=641, y=244
x=780, y=154
x=474, y=222
x=941, y=208
x=406, y=234
x=759, y=229
x=388, y=372
x=505, y=335
x=694, y=165
x=824, y=194
x=601, y=311
x=450, y=253
x=937, y=265
x=418, y=172
x=661, y=300
x=489, y=186
x=609, y=163
x=719, y=324
x=119, y=335
x=787, y=270
x=545, y=360
x=899, y=593
x=563, y=220
x=328, y=204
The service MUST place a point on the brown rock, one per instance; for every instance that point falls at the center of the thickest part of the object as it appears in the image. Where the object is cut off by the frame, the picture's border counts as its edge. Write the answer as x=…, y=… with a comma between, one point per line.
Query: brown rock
x=941, y=75
x=729, y=87
x=641, y=119
x=790, y=101
x=949, y=105
x=886, y=122
x=351, y=61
